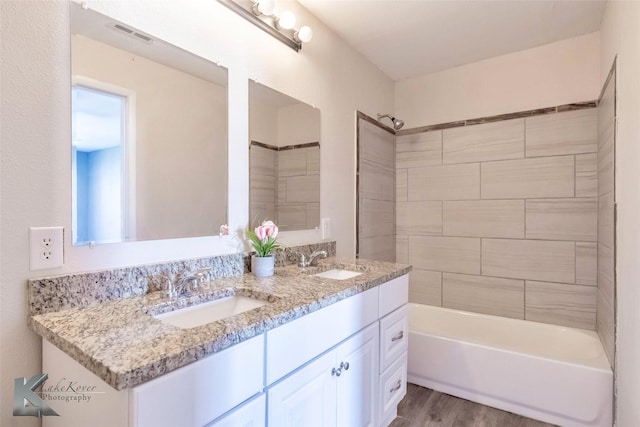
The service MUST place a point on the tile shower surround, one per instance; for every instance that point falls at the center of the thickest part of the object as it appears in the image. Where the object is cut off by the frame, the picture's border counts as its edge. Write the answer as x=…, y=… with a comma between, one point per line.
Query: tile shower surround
x=285, y=184
x=50, y=294
x=606, y=298
x=499, y=215
x=375, y=198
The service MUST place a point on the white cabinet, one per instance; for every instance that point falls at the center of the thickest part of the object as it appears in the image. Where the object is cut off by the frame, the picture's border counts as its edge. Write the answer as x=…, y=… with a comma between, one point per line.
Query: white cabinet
x=249, y=414
x=393, y=387
x=343, y=365
x=295, y=343
x=394, y=340
x=394, y=337
x=202, y=391
x=192, y=395
x=336, y=389
x=358, y=382
x=306, y=398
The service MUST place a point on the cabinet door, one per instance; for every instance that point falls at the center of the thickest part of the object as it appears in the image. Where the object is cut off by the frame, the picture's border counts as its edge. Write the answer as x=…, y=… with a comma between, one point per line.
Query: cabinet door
x=358, y=382
x=249, y=414
x=306, y=398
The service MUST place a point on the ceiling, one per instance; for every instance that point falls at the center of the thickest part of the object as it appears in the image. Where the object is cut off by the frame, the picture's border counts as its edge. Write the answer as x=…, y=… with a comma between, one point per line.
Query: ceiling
x=407, y=38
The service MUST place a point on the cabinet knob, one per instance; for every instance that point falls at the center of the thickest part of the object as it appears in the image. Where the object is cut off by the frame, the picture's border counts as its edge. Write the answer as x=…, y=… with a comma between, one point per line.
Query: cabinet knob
x=336, y=372
x=344, y=365
x=396, y=387
x=398, y=336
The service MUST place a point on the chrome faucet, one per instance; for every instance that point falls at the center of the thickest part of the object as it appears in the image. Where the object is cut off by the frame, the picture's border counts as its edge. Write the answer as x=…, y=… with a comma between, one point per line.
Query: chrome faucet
x=185, y=283
x=312, y=260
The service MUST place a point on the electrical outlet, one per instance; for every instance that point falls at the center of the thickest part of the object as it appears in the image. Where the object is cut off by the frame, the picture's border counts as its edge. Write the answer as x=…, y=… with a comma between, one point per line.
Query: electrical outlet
x=46, y=246
x=326, y=228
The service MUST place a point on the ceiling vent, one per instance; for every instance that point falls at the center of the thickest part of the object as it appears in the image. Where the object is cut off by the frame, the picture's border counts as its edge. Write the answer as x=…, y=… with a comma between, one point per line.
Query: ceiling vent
x=131, y=33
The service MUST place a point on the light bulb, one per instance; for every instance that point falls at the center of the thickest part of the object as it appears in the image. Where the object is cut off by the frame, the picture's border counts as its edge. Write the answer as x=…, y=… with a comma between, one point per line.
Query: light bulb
x=287, y=20
x=266, y=7
x=304, y=34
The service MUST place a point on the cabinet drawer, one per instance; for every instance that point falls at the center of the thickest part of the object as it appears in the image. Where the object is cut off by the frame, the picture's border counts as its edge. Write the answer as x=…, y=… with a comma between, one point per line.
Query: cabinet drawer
x=393, y=294
x=202, y=391
x=394, y=336
x=293, y=344
x=393, y=387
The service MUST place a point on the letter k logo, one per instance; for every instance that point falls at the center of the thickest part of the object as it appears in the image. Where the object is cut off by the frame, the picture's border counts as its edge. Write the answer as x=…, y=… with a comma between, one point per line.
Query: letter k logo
x=23, y=392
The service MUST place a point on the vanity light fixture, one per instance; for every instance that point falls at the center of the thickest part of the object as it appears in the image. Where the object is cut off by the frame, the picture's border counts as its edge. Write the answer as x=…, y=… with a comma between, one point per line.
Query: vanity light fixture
x=282, y=27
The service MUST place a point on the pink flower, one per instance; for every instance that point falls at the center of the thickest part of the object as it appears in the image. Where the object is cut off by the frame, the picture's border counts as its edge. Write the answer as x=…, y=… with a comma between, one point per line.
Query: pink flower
x=271, y=229
x=261, y=232
x=263, y=238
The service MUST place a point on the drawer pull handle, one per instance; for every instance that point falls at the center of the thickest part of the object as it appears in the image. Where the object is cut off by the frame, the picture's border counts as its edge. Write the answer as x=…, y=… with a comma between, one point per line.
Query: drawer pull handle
x=398, y=336
x=396, y=387
x=344, y=365
x=336, y=372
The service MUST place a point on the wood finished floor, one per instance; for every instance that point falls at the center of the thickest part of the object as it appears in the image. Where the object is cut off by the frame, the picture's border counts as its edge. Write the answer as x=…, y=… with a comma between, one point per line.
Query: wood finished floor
x=423, y=407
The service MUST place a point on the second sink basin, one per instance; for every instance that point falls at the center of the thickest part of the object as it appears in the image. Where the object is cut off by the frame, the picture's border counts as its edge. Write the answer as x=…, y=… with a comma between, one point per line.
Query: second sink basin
x=338, y=274
x=208, y=312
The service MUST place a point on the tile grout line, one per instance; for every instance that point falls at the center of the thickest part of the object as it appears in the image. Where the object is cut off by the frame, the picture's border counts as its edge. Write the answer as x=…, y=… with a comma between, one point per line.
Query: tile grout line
x=471, y=162
x=510, y=278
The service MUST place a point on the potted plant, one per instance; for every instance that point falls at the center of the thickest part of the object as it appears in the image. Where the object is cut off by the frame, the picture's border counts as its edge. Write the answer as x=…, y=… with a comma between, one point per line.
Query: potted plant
x=263, y=240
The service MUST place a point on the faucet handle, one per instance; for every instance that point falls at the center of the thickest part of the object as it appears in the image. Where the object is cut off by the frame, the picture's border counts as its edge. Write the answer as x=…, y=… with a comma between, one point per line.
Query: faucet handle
x=201, y=274
x=168, y=288
x=302, y=259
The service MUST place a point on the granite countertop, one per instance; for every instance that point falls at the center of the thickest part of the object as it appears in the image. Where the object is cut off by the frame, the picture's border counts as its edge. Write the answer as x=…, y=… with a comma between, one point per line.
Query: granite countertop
x=120, y=341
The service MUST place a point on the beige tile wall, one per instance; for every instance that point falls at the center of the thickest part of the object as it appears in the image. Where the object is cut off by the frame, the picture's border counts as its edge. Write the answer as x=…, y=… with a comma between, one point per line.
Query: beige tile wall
x=376, y=193
x=298, y=195
x=284, y=186
x=502, y=218
x=262, y=184
x=606, y=221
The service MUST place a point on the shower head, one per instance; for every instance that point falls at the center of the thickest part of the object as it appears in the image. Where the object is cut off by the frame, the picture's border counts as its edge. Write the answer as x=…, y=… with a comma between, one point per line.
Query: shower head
x=397, y=123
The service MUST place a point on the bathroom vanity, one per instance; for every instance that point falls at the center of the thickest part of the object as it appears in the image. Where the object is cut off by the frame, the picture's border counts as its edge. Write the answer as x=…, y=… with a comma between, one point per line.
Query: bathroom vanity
x=317, y=352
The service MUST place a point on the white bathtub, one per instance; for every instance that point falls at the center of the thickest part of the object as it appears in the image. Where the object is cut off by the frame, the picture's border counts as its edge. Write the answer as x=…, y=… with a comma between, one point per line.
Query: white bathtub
x=550, y=373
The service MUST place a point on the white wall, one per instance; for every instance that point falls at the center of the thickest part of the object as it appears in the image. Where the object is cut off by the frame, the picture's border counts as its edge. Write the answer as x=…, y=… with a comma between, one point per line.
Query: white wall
x=282, y=126
x=298, y=124
x=263, y=122
x=36, y=133
x=621, y=36
x=553, y=74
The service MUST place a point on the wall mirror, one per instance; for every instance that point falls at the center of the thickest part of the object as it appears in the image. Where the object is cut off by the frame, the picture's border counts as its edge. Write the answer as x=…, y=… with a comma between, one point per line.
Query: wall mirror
x=284, y=160
x=149, y=136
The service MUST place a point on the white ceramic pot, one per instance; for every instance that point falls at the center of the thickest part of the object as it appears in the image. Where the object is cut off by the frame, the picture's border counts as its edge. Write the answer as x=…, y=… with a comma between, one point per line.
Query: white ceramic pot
x=262, y=266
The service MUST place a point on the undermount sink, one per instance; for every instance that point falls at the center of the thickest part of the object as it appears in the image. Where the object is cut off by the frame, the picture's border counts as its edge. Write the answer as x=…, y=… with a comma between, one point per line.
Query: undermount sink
x=208, y=312
x=338, y=274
